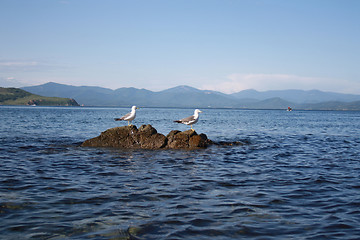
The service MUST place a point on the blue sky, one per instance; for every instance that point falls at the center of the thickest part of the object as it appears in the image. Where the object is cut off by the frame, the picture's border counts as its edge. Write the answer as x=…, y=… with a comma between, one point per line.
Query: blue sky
x=219, y=45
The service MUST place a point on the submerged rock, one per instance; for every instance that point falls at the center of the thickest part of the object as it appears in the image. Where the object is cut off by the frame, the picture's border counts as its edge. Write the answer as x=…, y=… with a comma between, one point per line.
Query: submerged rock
x=147, y=137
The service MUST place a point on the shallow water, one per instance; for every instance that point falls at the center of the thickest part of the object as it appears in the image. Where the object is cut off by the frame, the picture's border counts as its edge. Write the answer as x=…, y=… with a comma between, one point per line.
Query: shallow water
x=297, y=176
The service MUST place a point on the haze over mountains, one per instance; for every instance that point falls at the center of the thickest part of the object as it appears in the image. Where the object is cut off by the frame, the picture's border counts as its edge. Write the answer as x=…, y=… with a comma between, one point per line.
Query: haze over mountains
x=189, y=97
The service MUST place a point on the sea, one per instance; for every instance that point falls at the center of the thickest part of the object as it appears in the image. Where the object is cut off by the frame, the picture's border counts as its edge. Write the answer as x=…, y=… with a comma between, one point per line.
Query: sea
x=296, y=176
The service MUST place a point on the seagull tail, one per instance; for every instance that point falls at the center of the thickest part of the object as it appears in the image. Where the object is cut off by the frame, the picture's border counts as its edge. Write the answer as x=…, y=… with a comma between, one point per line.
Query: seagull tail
x=177, y=121
x=118, y=119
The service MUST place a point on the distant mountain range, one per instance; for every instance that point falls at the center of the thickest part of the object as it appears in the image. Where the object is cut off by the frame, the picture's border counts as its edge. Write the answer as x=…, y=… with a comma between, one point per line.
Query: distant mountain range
x=16, y=96
x=189, y=97
x=298, y=96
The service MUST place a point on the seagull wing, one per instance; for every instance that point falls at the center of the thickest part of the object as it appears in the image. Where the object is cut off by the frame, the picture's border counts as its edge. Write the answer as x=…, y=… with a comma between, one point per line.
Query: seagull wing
x=186, y=120
x=123, y=117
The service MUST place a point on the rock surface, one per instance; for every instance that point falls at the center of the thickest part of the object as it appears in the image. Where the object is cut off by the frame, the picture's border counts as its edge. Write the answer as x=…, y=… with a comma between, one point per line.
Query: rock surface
x=147, y=137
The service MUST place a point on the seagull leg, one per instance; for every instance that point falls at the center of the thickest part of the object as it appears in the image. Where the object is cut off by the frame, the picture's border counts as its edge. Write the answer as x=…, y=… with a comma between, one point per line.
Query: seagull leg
x=192, y=128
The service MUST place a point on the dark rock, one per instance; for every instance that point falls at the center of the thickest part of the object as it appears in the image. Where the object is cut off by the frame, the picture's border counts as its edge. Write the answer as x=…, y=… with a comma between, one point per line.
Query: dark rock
x=188, y=139
x=178, y=140
x=200, y=141
x=147, y=137
x=150, y=138
x=147, y=130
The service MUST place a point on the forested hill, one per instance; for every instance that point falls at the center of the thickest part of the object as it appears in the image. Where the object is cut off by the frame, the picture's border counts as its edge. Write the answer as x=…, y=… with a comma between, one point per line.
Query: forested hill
x=16, y=96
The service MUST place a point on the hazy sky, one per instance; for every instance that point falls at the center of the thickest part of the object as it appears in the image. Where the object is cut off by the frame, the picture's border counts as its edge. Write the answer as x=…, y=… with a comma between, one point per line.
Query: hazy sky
x=219, y=45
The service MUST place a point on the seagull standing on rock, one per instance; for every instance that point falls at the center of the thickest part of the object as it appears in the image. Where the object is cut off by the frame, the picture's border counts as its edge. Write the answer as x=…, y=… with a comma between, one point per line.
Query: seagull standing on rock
x=129, y=116
x=190, y=120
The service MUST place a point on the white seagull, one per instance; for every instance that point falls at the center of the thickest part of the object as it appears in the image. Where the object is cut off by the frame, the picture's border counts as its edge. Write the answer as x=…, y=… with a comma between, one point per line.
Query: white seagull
x=190, y=120
x=129, y=116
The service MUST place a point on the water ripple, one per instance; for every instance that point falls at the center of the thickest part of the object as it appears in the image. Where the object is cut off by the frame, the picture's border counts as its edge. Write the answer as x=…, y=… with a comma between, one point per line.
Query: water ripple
x=287, y=183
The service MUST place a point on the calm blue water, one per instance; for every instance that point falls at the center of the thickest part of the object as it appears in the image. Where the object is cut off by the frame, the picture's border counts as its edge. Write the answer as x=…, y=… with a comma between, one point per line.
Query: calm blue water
x=298, y=176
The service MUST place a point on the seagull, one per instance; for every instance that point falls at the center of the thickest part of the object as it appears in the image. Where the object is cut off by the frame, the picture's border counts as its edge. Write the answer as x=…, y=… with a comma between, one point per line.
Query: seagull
x=190, y=120
x=129, y=116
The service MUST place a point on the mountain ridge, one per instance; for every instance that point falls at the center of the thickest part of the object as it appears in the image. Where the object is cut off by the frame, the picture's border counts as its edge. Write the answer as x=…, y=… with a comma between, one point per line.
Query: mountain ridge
x=187, y=96
x=298, y=96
